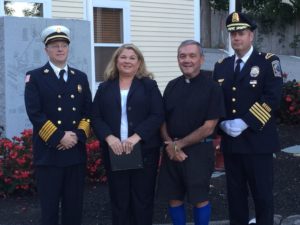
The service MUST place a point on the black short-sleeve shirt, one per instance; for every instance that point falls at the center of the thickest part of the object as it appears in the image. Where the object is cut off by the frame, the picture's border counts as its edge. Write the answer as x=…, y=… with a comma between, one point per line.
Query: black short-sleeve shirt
x=190, y=102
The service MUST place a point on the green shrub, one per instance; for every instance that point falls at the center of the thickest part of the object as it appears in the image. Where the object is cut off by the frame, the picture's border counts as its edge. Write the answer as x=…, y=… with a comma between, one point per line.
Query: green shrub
x=16, y=167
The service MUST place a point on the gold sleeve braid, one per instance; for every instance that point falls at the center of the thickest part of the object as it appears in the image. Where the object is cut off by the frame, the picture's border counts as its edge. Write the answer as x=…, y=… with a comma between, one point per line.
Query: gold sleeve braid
x=84, y=125
x=261, y=112
x=47, y=130
x=266, y=107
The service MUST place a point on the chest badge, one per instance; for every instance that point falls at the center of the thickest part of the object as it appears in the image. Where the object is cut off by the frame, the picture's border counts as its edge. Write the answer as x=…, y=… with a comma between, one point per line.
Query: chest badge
x=79, y=88
x=254, y=71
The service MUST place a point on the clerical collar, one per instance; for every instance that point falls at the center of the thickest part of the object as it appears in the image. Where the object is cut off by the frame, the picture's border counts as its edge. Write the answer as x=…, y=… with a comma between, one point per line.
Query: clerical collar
x=187, y=80
x=190, y=80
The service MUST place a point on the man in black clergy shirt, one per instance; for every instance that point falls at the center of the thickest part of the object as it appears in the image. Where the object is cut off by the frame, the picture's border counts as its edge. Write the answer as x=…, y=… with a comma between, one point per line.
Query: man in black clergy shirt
x=251, y=83
x=193, y=105
x=58, y=101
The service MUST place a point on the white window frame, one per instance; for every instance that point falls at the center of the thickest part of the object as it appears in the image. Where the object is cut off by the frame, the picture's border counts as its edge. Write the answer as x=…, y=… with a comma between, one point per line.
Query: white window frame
x=47, y=6
x=125, y=6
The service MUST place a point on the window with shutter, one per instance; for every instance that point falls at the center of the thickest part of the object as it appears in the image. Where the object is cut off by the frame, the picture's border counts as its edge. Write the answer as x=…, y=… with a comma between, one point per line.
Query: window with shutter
x=108, y=29
x=110, y=21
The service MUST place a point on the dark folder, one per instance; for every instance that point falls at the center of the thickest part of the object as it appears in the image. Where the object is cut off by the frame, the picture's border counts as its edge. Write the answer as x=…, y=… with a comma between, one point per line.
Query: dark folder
x=134, y=160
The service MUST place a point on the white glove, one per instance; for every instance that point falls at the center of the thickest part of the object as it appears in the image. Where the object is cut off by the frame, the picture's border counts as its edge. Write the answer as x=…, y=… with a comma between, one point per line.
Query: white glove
x=238, y=124
x=229, y=129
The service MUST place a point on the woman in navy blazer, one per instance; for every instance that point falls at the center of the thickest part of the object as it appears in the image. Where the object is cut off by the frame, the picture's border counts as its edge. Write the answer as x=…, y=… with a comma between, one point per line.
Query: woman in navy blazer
x=128, y=109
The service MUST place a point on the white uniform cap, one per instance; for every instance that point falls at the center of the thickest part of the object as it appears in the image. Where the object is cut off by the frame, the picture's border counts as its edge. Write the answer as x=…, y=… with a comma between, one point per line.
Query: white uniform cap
x=55, y=33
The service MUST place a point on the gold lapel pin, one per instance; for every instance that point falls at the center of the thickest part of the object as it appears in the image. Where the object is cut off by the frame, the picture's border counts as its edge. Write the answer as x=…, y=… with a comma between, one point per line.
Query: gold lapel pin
x=79, y=88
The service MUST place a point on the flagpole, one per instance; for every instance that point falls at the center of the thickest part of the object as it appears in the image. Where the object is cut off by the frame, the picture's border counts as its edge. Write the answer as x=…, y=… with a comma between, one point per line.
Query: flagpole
x=232, y=5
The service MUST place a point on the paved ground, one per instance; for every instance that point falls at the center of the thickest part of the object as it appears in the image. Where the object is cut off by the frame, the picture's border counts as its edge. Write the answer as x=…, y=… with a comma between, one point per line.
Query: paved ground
x=278, y=220
x=30, y=206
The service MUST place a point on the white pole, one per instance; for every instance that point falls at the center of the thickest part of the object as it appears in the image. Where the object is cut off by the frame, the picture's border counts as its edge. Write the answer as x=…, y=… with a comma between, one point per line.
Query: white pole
x=231, y=9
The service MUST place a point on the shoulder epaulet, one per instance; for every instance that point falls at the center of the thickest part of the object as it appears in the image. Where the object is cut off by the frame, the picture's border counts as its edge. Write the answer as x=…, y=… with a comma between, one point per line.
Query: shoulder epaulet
x=223, y=59
x=266, y=55
x=274, y=62
x=269, y=55
x=220, y=60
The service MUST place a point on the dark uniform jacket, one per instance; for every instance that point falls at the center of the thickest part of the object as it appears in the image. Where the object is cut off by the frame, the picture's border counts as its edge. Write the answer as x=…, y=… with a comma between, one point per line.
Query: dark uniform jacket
x=54, y=108
x=253, y=96
x=144, y=111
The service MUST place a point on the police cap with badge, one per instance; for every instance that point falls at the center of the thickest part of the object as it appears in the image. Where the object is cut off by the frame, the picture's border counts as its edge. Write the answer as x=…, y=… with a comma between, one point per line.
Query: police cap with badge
x=239, y=21
x=55, y=33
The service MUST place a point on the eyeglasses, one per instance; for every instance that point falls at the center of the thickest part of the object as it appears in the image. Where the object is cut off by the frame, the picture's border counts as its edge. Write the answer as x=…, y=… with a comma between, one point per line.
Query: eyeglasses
x=56, y=47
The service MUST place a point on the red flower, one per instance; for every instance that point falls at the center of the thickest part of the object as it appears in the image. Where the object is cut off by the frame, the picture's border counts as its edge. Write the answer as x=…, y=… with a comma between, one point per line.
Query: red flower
x=7, y=180
x=103, y=179
x=13, y=155
x=16, y=169
x=288, y=98
x=292, y=108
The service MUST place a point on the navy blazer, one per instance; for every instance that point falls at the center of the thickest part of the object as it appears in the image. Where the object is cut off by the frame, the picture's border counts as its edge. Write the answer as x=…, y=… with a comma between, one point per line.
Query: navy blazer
x=144, y=111
x=253, y=96
x=54, y=108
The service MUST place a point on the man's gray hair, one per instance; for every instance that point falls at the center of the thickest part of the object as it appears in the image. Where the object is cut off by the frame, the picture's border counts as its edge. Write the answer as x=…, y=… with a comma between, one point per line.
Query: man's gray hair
x=191, y=42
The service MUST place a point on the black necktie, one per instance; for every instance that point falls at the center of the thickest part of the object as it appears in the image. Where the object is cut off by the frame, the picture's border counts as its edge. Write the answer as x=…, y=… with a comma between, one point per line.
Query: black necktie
x=237, y=68
x=61, y=76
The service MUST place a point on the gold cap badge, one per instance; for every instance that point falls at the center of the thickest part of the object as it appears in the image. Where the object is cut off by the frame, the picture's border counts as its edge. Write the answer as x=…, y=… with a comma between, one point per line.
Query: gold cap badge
x=235, y=17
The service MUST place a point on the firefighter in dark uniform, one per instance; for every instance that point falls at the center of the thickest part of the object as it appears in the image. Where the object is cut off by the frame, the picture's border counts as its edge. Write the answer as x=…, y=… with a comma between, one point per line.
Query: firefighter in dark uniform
x=252, y=85
x=58, y=101
x=193, y=105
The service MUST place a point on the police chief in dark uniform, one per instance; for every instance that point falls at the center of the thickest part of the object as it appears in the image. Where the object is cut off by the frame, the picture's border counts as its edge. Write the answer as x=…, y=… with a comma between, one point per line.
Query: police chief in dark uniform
x=58, y=101
x=193, y=105
x=252, y=83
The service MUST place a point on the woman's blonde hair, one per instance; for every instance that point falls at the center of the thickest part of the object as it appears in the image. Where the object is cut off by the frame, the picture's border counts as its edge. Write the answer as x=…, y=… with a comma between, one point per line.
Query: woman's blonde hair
x=111, y=72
